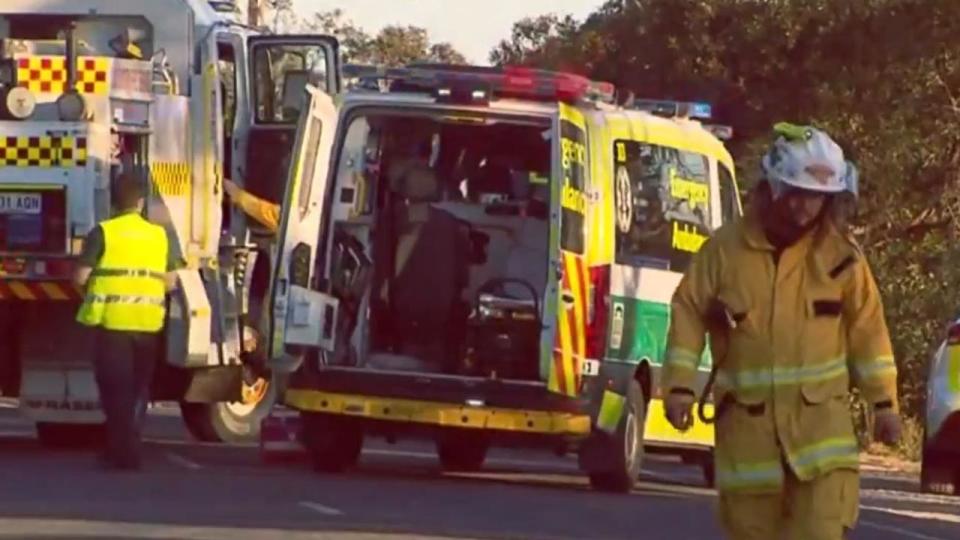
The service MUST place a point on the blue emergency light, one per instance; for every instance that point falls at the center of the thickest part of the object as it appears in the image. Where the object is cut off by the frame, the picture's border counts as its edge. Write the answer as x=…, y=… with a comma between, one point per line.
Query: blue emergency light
x=670, y=108
x=701, y=110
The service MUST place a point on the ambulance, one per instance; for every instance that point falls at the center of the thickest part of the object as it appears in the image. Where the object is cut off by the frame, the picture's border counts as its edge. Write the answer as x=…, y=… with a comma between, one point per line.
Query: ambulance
x=485, y=257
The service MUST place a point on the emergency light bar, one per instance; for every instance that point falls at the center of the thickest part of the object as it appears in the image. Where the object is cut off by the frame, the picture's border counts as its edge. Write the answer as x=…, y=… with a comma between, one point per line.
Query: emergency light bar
x=475, y=84
x=684, y=109
x=724, y=133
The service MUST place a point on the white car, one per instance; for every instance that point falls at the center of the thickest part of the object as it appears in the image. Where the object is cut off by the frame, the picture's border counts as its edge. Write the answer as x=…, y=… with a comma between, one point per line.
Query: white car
x=941, y=449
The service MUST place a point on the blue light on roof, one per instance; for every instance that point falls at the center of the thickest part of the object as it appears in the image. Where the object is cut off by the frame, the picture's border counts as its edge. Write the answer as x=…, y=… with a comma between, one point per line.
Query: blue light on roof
x=701, y=110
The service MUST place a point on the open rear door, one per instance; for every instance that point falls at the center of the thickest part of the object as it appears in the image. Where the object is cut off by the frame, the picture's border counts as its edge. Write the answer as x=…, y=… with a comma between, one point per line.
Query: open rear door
x=302, y=317
x=569, y=276
x=280, y=67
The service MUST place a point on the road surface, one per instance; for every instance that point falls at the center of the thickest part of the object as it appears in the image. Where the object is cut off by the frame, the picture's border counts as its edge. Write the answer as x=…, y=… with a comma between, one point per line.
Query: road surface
x=196, y=491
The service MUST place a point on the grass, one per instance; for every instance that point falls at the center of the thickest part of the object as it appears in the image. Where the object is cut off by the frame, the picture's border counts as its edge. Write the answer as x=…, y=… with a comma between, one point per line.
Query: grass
x=910, y=446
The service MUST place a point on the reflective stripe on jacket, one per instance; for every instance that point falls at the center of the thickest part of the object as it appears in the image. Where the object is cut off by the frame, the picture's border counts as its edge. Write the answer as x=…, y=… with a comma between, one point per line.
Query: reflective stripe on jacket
x=807, y=324
x=126, y=289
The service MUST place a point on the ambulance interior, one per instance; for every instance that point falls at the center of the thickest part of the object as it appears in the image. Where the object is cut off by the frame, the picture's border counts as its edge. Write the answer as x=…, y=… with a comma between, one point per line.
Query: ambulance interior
x=440, y=244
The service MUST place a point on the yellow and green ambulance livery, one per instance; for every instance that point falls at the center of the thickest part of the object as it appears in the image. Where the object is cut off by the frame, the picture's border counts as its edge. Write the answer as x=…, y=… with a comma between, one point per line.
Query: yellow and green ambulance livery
x=486, y=256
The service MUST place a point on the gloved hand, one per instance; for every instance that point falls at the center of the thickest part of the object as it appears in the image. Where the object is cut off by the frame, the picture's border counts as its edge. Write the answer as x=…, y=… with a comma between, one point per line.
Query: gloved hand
x=886, y=426
x=679, y=409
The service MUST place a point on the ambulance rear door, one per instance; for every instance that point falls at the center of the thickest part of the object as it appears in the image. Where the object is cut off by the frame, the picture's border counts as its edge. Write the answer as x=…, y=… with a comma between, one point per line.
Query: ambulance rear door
x=568, y=279
x=303, y=318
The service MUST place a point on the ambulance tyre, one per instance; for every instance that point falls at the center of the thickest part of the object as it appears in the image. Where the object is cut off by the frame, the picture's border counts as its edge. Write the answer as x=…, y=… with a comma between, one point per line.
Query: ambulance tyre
x=624, y=448
x=333, y=442
x=709, y=470
x=228, y=422
x=939, y=473
x=64, y=436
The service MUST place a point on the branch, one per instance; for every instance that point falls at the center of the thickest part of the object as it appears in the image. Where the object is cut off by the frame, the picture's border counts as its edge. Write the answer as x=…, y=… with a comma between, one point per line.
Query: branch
x=920, y=229
x=954, y=103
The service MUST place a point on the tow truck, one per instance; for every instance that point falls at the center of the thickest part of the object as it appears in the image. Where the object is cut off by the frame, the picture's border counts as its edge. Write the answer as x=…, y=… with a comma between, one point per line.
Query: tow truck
x=182, y=94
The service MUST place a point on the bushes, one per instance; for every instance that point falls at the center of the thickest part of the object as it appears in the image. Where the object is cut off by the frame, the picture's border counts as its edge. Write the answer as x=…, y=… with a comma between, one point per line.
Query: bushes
x=891, y=97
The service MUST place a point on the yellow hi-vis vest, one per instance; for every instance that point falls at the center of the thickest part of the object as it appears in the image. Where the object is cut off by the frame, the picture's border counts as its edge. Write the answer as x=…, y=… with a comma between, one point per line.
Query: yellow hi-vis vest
x=126, y=289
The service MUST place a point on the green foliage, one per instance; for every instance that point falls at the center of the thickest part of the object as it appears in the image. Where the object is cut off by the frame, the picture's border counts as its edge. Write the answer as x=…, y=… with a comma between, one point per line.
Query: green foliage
x=882, y=76
x=394, y=45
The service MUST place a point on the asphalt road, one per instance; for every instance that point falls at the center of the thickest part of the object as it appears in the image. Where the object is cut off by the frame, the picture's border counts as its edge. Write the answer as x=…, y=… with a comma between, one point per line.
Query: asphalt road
x=195, y=491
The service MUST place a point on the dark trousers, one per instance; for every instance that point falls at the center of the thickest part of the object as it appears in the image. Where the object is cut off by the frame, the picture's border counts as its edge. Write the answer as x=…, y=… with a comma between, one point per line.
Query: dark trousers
x=123, y=363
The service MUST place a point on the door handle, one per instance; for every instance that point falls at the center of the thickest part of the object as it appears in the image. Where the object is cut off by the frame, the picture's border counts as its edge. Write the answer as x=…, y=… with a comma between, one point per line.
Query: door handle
x=568, y=299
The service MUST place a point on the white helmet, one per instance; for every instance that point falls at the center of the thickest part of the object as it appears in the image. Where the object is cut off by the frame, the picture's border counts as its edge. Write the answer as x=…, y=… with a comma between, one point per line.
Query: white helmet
x=807, y=158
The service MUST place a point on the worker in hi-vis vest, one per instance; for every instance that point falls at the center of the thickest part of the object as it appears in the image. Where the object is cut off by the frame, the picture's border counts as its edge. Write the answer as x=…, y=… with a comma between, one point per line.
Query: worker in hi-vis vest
x=794, y=315
x=126, y=267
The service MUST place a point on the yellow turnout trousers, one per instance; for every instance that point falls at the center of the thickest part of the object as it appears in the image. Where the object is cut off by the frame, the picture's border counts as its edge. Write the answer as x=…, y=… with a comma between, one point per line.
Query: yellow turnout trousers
x=824, y=508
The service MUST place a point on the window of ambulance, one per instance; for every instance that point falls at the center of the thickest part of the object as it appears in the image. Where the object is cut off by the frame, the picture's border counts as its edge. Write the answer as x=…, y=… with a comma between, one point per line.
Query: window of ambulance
x=662, y=199
x=729, y=198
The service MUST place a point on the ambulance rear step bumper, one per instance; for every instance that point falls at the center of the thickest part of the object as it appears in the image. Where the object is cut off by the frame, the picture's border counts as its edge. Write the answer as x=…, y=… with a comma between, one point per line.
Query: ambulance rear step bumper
x=452, y=389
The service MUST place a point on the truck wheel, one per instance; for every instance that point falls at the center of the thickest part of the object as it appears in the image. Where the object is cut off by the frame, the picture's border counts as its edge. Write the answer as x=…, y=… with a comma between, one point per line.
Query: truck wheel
x=333, y=442
x=73, y=436
x=463, y=452
x=235, y=422
x=939, y=473
x=622, y=450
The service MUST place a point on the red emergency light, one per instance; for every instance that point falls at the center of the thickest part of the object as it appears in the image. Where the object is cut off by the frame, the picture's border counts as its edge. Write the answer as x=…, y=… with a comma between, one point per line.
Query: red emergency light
x=467, y=83
x=562, y=86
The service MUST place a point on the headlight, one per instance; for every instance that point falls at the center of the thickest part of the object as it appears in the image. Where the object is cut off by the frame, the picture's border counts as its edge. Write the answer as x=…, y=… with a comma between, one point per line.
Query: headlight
x=19, y=103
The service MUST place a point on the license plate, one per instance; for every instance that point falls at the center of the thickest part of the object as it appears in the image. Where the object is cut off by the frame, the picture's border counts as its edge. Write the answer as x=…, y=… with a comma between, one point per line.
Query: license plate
x=20, y=203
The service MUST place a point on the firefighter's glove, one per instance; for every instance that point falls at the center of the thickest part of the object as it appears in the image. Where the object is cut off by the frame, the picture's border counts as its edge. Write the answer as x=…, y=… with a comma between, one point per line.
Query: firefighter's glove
x=679, y=408
x=886, y=426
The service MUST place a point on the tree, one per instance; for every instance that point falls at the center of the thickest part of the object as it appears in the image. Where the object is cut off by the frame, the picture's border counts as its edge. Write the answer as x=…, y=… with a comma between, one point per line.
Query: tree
x=279, y=15
x=444, y=53
x=536, y=40
x=394, y=45
x=891, y=96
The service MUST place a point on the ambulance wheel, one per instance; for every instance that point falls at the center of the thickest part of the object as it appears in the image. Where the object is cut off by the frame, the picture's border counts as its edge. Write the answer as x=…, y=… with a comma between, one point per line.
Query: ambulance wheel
x=333, y=442
x=63, y=436
x=463, y=452
x=622, y=450
x=939, y=473
x=709, y=470
x=235, y=422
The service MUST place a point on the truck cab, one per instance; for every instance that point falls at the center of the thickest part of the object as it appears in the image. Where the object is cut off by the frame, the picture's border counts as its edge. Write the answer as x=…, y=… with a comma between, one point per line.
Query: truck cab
x=182, y=95
x=485, y=256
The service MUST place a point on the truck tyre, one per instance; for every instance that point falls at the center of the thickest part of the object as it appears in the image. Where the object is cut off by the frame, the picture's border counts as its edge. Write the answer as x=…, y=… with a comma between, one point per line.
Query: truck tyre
x=463, y=452
x=231, y=422
x=333, y=442
x=69, y=436
x=939, y=473
x=622, y=450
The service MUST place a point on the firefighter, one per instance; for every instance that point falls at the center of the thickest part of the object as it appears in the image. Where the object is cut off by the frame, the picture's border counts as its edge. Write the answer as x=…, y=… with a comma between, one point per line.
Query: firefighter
x=793, y=315
x=126, y=267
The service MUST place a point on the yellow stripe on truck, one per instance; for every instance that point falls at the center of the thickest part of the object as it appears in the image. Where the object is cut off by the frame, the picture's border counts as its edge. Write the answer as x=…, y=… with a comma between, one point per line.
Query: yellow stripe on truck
x=439, y=414
x=21, y=291
x=53, y=291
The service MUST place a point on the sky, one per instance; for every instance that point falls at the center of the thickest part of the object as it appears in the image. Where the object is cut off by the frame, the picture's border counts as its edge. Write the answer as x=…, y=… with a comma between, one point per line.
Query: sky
x=474, y=27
